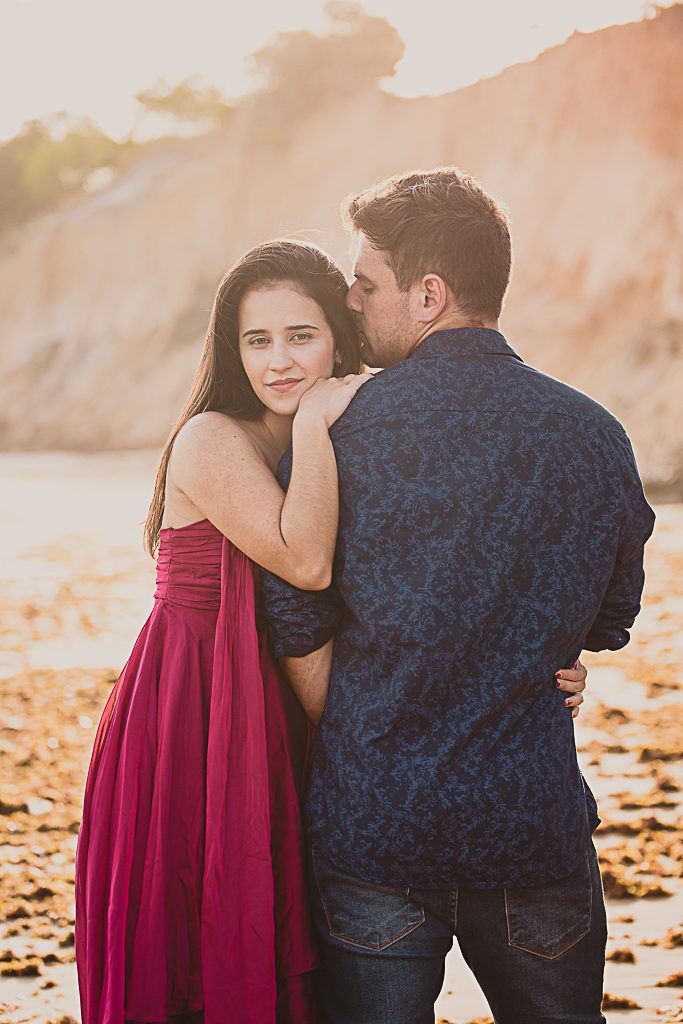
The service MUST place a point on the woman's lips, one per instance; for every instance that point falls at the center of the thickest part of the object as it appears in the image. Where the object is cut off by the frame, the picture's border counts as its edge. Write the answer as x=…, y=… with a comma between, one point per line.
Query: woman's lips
x=286, y=384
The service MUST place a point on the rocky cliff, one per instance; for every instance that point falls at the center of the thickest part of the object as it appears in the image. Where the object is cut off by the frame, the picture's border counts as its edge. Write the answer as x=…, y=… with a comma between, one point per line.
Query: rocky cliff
x=103, y=306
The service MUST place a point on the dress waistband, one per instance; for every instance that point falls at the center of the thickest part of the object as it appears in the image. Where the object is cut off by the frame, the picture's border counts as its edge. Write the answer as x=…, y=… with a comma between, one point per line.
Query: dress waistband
x=189, y=565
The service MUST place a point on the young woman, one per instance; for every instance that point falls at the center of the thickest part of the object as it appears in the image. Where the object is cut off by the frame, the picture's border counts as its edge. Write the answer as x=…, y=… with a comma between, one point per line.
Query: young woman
x=190, y=893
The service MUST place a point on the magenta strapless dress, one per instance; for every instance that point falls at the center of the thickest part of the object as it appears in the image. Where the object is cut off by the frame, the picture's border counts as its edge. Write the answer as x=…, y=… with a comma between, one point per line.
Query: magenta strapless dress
x=190, y=872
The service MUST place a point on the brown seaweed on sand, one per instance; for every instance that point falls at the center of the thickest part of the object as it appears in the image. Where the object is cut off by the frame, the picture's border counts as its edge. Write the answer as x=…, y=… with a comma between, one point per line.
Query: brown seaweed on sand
x=622, y=956
x=673, y=981
x=610, y=1002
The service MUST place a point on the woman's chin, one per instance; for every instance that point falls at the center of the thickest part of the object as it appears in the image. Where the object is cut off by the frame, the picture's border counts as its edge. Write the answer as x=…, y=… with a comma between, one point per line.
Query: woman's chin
x=285, y=405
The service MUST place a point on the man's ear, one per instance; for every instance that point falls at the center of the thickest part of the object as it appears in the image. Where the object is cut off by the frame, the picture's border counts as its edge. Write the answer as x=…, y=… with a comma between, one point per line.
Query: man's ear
x=433, y=297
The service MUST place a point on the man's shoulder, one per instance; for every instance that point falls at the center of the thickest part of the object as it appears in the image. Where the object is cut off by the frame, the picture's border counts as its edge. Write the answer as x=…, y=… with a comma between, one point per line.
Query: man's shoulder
x=376, y=399
x=567, y=401
x=405, y=391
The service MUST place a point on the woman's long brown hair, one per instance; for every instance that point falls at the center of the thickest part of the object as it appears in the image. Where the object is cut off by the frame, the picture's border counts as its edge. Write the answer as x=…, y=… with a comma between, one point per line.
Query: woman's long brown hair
x=221, y=383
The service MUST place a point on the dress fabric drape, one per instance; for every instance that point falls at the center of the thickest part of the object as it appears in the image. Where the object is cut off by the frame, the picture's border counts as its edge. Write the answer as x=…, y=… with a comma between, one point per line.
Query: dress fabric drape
x=190, y=871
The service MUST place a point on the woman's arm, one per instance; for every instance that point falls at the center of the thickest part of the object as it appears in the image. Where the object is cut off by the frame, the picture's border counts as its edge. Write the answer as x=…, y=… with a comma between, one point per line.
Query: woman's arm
x=216, y=465
x=309, y=677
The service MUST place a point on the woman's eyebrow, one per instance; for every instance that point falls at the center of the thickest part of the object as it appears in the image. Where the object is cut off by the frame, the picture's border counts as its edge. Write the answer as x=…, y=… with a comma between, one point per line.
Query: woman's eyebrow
x=293, y=327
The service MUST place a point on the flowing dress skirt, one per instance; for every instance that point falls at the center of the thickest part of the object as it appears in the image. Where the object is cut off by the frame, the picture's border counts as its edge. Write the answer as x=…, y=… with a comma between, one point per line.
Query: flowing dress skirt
x=190, y=870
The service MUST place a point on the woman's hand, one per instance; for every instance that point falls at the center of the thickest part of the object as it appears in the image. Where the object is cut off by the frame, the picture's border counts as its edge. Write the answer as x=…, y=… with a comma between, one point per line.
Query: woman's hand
x=330, y=397
x=573, y=680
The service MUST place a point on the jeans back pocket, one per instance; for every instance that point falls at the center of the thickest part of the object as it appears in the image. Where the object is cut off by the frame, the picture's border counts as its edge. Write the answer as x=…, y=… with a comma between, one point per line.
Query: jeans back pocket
x=362, y=913
x=550, y=918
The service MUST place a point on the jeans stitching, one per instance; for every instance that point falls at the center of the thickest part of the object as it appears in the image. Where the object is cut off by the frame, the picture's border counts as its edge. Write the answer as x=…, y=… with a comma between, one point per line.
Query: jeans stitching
x=453, y=908
x=536, y=952
x=358, y=942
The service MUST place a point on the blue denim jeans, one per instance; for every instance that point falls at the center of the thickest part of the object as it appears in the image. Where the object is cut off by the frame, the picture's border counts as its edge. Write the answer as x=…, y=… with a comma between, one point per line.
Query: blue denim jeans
x=538, y=952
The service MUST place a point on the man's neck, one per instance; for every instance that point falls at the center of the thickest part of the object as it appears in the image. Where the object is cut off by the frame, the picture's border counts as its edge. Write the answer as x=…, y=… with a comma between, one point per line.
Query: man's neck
x=453, y=321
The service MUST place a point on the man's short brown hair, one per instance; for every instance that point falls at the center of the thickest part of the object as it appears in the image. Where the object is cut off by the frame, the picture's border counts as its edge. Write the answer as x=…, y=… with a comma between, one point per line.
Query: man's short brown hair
x=439, y=222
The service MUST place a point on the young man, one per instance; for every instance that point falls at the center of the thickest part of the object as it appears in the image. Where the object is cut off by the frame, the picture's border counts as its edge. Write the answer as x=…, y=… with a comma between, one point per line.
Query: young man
x=492, y=525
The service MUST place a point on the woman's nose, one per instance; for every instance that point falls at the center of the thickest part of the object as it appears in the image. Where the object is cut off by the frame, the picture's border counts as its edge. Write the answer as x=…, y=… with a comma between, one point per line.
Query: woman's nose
x=280, y=357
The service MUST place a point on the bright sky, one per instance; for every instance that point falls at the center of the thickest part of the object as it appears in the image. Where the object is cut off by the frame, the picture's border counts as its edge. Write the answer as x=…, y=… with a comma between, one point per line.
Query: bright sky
x=91, y=56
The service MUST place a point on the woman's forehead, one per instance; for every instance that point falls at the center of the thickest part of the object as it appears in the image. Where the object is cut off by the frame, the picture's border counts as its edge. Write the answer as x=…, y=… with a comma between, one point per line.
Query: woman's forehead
x=281, y=304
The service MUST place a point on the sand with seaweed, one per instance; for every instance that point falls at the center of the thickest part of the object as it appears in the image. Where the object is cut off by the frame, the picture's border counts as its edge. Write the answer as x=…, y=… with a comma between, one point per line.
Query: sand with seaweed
x=75, y=587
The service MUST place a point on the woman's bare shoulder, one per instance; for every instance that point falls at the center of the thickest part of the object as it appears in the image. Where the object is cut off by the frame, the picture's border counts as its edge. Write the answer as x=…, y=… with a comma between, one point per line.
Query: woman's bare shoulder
x=206, y=430
x=208, y=443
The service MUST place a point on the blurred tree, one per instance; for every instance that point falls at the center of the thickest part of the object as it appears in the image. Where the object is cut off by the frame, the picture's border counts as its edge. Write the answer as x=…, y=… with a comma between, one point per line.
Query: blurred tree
x=62, y=157
x=191, y=102
x=52, y=158
x=302, y=71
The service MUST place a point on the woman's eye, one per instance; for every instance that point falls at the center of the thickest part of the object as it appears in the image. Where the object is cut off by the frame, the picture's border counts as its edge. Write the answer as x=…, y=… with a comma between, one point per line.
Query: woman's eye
x=259, y=341
x=301, y=337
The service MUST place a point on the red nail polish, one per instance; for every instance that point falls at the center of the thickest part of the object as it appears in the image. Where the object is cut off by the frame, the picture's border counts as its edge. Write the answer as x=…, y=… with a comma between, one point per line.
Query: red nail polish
x=568, y=702
x=576, y=664
x=560, y=683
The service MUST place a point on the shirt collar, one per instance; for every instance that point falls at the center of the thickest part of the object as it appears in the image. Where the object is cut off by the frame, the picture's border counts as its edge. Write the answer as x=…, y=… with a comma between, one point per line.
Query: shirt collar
x=464, y=341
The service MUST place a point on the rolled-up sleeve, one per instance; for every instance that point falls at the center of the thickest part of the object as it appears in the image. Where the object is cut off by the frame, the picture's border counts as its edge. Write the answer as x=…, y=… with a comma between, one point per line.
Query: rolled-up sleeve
x=299, y=621
x=621, y=603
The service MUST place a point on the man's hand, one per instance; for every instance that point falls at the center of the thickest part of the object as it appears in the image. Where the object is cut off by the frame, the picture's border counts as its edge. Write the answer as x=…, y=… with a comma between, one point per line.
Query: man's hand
x=309, y=677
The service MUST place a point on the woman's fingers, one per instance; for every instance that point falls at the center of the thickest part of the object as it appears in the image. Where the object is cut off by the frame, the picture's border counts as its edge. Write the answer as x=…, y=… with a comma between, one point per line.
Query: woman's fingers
x=329, y=397
x=572, y=679
x=573, y=703
x=356, y=380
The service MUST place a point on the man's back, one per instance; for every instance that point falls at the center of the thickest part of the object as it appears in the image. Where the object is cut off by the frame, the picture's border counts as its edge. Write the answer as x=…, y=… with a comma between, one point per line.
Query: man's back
x=488, y=514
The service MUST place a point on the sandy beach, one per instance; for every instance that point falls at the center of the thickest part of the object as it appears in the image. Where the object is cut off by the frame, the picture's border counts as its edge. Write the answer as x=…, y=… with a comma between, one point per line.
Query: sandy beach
x=76, y=587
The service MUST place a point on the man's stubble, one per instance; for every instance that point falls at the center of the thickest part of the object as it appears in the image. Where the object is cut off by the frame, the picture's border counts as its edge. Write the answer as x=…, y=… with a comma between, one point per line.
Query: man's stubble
x=390, y=340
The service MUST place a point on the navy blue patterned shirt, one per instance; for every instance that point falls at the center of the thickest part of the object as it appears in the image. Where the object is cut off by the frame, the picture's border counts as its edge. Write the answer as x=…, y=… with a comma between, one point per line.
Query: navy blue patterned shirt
x=492, y=525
